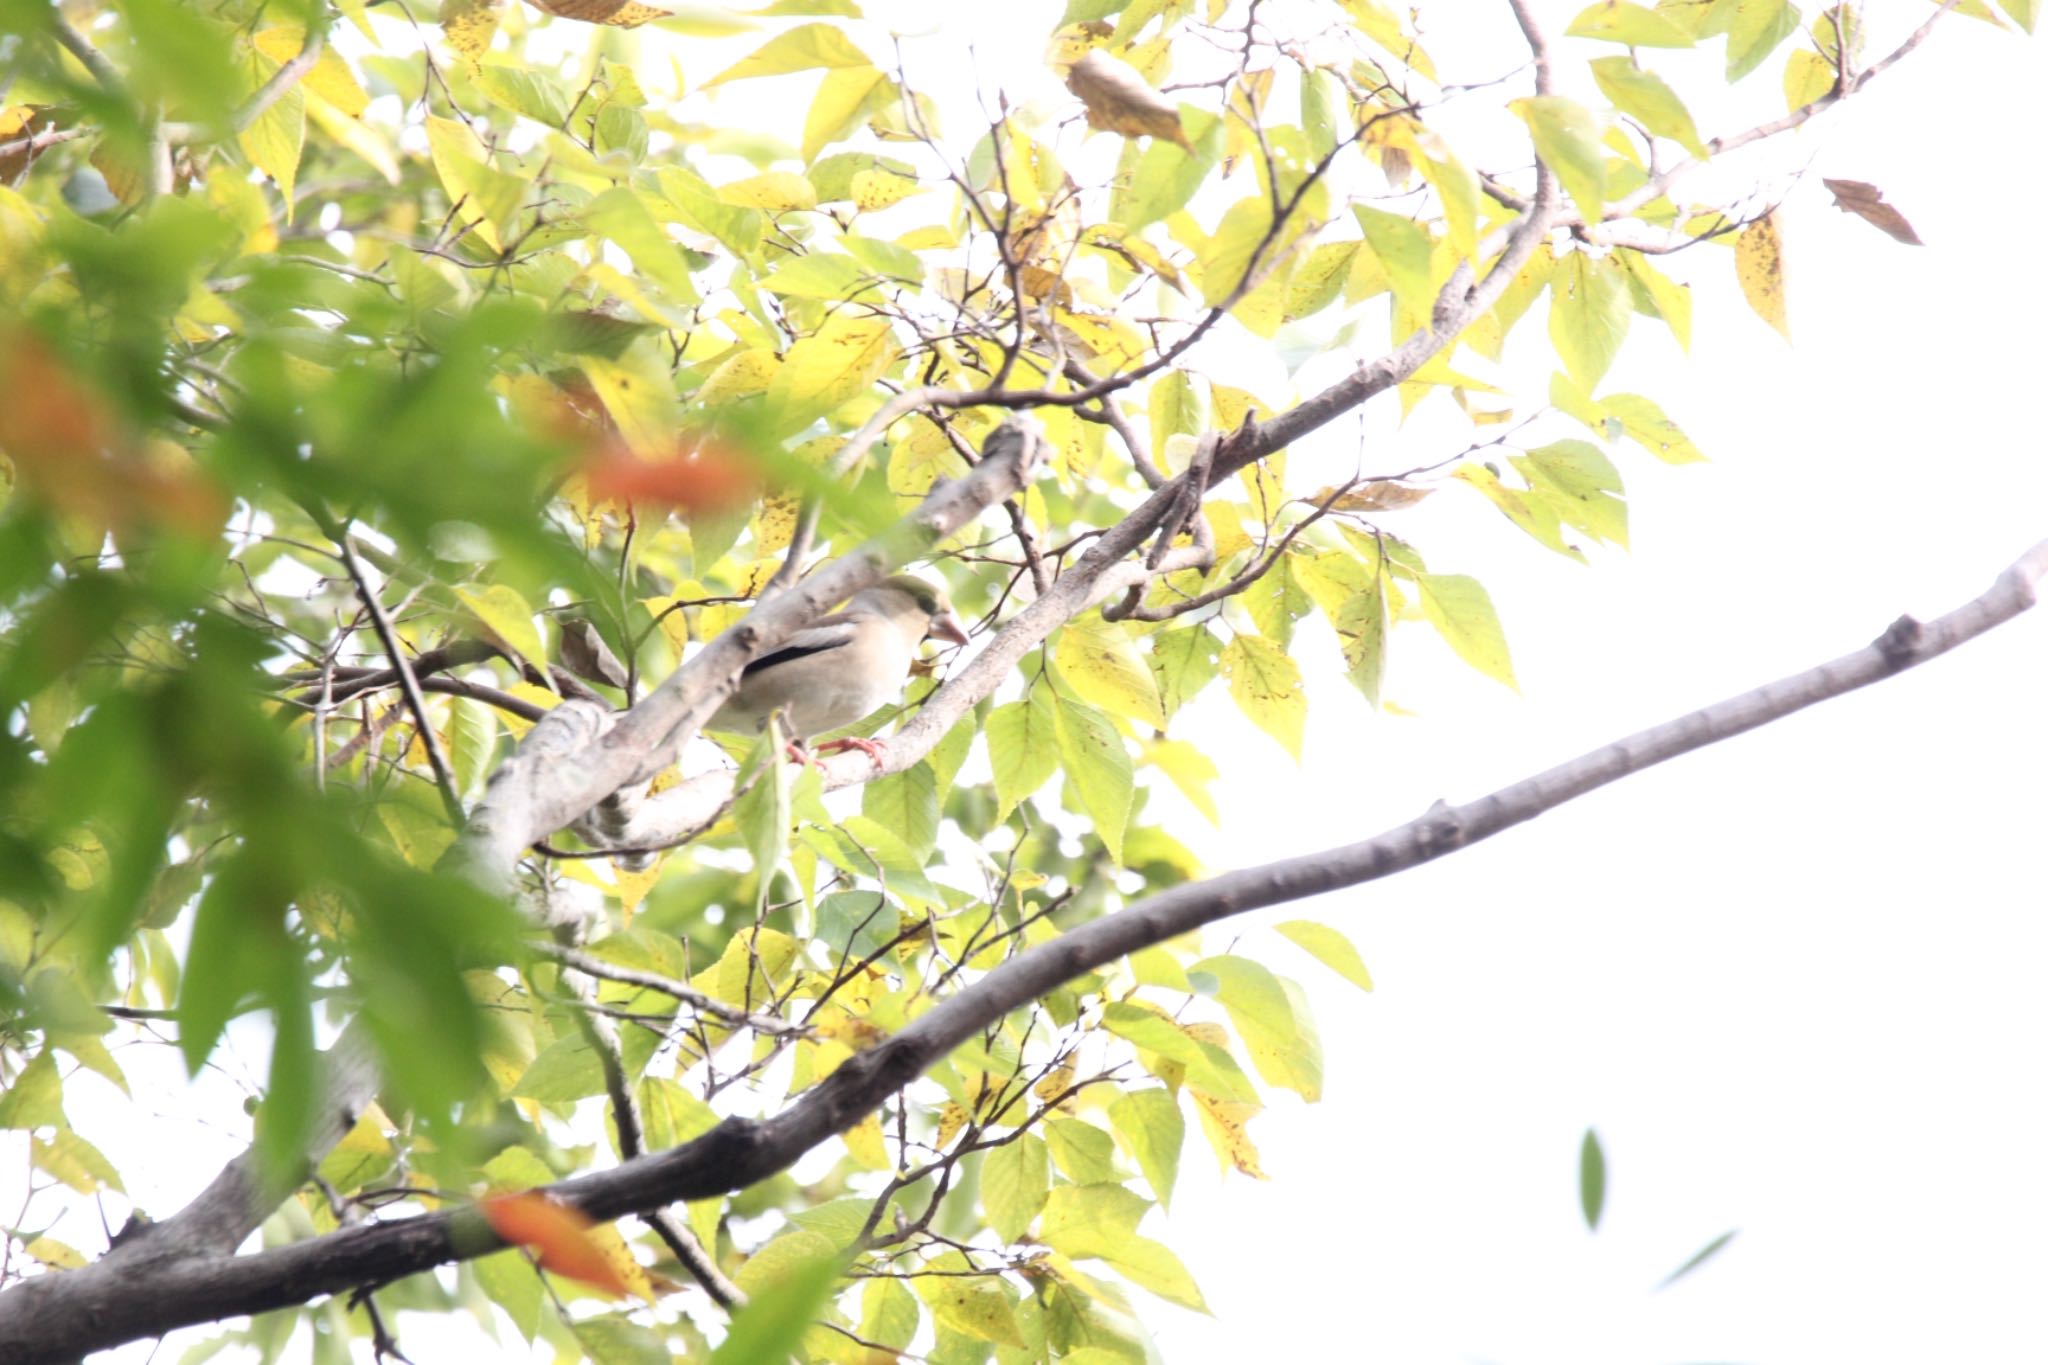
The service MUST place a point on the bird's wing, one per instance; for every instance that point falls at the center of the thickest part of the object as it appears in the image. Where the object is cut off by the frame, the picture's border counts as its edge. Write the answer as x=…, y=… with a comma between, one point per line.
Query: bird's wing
x=825, y=634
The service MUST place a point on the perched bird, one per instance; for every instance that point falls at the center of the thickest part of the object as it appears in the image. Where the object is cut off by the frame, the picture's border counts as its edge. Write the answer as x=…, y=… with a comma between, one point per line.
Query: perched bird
x=843, y=666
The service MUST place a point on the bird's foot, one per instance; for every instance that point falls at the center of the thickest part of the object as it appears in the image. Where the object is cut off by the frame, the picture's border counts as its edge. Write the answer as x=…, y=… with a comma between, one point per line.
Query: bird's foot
x=873, y=748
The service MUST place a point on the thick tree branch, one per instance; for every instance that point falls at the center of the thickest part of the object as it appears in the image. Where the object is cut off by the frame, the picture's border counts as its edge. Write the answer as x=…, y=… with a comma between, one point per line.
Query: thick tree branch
x=59, y=1316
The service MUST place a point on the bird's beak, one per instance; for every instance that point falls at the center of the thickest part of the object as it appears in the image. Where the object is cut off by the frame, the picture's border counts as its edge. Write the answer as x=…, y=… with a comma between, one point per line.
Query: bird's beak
x=947, y=627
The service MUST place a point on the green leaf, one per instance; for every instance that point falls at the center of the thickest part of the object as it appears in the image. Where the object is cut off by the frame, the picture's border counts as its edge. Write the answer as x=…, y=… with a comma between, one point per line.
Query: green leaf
x=1149, y=1125
x=1329, y=947
x=1023, y=747
x=1567, y=137
x=1318, y=278
x=1325, y=112
x=782, y=1302
x=1266, y=685
x=1098, y=769
x=1644, y=96
x=1463, y=614
x=803, y=48
x=534, y=94
x=1403, y=249
x=762, y=809
x=1589, y=314
x=565, y=1071
x=1592, y=1179
x=1809, y=77
x=1699, y=1258
x=1164, y=177
x=823, y=275
x=908, y=803
x=1616, y=21
x=1099, y=660
x=1014, y=1181
x=509, y=1280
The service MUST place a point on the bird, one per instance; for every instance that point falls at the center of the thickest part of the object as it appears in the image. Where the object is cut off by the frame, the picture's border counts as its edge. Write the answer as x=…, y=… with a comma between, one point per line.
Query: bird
x=843, y=666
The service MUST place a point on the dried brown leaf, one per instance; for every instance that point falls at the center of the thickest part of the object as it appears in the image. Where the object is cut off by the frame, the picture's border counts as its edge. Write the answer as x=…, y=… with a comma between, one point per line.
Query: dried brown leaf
x=1867, y=202
x=1119, y=100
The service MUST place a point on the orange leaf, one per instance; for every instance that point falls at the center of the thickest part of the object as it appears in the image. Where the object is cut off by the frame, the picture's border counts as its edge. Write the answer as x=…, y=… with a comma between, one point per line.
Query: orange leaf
x=559, y=1237
x=704, y=474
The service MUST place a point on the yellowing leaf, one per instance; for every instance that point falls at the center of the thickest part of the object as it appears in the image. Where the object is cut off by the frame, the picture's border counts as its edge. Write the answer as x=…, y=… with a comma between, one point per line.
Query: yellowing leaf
x=1098, y=769
x=1567, y=137
x=1590, y=311
x=1617, y=21
x=1463, y=614
x=1760, y=269
x=839, y=106
x=1329, y=947
x=836, y=363
x=1644, y=96
x=1808, y=77
x=1266, y=685
x=1100, y=661
x=803, y=48
x=1119, y=100
x=1673, y=300
x=487, y=198
x=507, y=616
x=640, y=396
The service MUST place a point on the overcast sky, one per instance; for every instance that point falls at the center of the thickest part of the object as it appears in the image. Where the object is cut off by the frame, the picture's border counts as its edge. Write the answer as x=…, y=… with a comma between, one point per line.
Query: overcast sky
x=1793, y=980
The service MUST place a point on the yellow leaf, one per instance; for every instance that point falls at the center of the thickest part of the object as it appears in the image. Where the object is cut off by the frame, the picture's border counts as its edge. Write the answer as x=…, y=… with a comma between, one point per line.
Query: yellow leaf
x=837, y=107
x=1266, y=684
x=1223, y=1123
x=488, y=197
x=772, y=192
x=1100, y=661
x=505, y=614
x=864, y=1143
x=1760, y=268
x=469, y=26
x=839, y=361
x=878, y=189
x=613, y=13
x=952, y=1119
x=640, y=396
x=330, y=77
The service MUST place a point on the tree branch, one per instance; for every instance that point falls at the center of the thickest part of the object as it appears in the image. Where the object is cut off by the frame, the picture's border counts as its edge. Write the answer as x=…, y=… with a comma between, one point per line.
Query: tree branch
x=59, y=1316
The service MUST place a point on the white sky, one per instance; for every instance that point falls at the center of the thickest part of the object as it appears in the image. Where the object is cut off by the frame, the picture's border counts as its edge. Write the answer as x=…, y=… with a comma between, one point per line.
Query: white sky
x=1792, y=979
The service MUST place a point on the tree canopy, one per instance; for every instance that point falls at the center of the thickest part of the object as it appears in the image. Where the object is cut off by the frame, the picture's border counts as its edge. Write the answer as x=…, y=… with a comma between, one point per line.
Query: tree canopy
x=412, y=425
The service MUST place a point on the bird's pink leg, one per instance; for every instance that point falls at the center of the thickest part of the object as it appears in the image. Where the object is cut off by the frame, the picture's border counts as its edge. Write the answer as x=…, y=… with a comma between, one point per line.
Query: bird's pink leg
x=873, y=748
